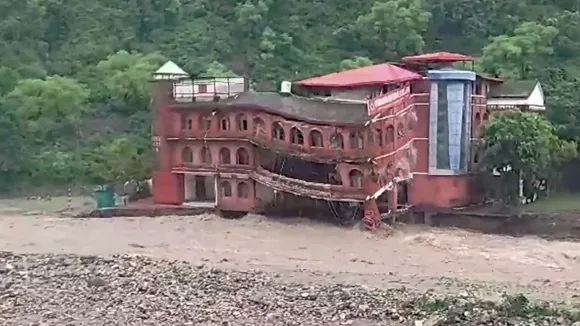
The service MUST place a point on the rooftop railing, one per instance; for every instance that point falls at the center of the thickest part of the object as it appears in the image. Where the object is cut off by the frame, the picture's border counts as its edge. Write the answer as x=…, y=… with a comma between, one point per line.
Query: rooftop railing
x=209, y=89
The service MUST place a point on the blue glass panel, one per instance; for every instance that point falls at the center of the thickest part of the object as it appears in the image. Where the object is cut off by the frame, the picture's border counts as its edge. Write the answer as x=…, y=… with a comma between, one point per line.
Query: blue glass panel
x=456, y=105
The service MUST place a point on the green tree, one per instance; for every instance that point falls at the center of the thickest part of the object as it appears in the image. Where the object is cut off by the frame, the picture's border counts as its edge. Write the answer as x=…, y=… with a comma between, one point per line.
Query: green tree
x=561, y=83
x=12, y=151
x=8, y=80
x=393, y=28
x=216, y=69
x=466, y=25
x=251, y=21
x=116, y=161
x=265, y=40
x=277, y=60
x=523, y=54
x=196, y=43
x=564, y=105
x=521, y=145
x=54, y=166
x=124, y=79
x=47, y=110
x=355, y=62
x=21, y=33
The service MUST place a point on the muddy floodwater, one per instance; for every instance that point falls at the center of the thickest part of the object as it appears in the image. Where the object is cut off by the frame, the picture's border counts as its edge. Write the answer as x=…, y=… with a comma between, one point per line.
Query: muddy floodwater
x=415, y=257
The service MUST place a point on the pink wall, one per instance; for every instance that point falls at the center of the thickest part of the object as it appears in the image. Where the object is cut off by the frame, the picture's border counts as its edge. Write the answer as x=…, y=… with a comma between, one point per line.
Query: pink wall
x=168, y=188
x=404, y=151
x=214, y=147
x=236, y=201
x=442, y=191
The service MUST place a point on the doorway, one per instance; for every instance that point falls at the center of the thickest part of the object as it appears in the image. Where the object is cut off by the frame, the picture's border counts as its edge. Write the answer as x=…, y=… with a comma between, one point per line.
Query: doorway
x=402, y=194
x=199, y=189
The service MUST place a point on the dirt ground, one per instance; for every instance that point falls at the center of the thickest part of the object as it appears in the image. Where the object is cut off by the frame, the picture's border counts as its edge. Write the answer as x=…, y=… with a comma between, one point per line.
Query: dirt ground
x=419, y=258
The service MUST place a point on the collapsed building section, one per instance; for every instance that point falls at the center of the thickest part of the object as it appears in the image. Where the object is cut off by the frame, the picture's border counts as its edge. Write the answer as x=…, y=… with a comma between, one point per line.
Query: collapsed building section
x=347, y=146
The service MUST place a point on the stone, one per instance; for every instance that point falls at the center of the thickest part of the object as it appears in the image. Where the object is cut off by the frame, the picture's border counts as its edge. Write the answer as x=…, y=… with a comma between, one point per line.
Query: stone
x=140, y=291
x=434, y=320
x=96, y=282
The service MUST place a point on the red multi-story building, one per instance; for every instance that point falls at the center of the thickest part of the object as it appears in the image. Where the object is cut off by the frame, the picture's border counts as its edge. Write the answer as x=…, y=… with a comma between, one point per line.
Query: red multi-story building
x=366, y=141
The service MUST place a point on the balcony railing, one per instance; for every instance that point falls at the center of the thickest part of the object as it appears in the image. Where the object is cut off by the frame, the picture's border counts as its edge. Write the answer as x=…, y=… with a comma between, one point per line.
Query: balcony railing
x=210, y=89
x=307, y=189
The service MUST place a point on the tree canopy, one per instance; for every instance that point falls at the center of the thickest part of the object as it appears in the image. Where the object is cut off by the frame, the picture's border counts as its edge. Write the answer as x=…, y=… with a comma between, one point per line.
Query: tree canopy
x=523, y=146
x=74, y=75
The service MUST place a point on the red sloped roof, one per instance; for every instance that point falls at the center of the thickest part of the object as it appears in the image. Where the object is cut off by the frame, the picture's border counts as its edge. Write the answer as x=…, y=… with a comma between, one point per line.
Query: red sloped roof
x=371, y=75
x=437, y=57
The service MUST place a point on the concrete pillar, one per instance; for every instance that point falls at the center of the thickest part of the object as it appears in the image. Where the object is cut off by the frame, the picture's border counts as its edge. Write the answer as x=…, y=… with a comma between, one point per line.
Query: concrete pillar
x=393, y=199
x=428, y=219
x=168, y=188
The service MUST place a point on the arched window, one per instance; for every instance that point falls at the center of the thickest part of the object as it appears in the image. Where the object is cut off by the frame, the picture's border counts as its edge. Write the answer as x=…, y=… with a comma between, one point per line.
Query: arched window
x=242, y=122
x=390, y=134
x=379, y=137
x=336, y=140
x=243, y=190
x=224, y=124
x=355, y=178
x=316, y=139
x=400, y=130
x=259, y=127
x=205, y=122
x=205, y=155
x=242, y=157
x=277, y=131
x=225, y=156
x=296, y=136
x=357, y=140
x=485, y=117
x=187, y=155
x=186, y=123
x=477, y=121
x=226, y=188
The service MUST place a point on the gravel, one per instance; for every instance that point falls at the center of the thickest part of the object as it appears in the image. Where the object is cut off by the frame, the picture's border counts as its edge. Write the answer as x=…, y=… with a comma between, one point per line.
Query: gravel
x=136, y=290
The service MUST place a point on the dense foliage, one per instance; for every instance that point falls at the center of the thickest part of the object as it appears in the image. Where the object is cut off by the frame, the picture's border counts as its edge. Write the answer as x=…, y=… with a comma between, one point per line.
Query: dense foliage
x=522, y=146
x=74, y=75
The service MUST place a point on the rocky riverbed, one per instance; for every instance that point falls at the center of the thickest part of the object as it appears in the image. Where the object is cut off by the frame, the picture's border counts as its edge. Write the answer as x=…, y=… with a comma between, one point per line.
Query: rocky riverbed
x=49, y=289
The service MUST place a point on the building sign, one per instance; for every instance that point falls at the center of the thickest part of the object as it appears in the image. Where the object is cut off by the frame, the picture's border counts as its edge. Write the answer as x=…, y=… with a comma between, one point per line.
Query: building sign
x=389, y=100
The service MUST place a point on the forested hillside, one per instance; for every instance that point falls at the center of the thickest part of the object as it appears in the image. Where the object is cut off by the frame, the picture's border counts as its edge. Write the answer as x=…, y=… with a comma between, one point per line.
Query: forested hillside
x=74, y=74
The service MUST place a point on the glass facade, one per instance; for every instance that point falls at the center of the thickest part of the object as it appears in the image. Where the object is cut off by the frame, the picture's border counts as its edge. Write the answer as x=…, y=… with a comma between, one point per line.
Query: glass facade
x=450, y=122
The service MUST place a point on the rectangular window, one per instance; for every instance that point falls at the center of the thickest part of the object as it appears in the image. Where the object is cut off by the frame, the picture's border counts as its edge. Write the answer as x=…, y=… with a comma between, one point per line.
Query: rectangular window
x=455, y=116
x=442, y=127
x=202, y=88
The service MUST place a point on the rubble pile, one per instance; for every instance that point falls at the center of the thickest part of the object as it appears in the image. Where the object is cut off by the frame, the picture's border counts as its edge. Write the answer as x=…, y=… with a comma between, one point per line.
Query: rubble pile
x=135, y=290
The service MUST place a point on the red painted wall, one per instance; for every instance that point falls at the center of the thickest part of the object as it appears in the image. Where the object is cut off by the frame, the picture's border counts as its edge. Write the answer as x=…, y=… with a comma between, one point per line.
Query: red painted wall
x=402, y=152
x=236, y=202
x=215, y=147
x=168, y=188
x=162, y=93
x=441, y=191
